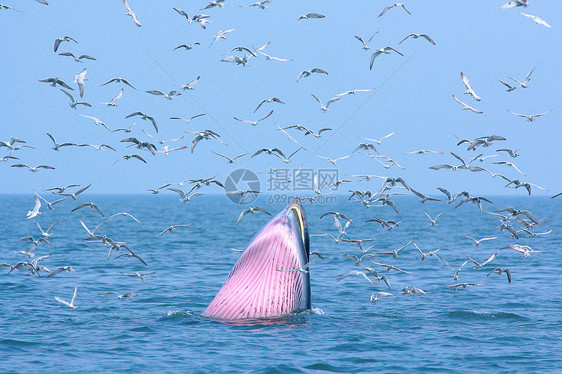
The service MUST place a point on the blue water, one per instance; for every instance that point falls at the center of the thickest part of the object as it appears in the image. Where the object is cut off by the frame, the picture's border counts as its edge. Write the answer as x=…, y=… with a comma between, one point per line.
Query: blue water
x=499, y=327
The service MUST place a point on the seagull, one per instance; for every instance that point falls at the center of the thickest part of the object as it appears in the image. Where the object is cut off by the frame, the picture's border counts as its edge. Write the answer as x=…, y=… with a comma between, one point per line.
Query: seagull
x=516, y=212
x=58, y=145
x=527, y=185
x=366, y=45
x=188, y=120
x=509, y=86
x=139, y=275
x=390, y=267
x=307, y=73
x=385, y=50
x=270, y=58
x=214, y=3
x=433, y=221
x=173, y=227
x=311, y=16
x=394, y=252
x=220, y=35
x=423, y=197
x=119, y=80
x=323, y=107
x=251, y=210
x=46, y=234
x=466, y=106
x=500, y=271
x=464, y=285
x=132, y=254
x=333, y=161
x=381, y=139
x=54, y=81
x=530, y=117
x=478, y=242
x=74, y=194
x=508, y=164
x=68, y=304
x=511, y=152
x=230, y=159
x=357, y=272
x=412, y=291
x=288, y=136
x=63, y=39
x=61, y=189
x=35, y=211
x=303, y=269
x=335, y=214
x=270, y=151
x=378, y=296
x=127, y=130
x=527, y=79
x=390, y=6
x=254, y=123
x=97, y=147
x=89, y=205
x=415, y=36
x=469, y=90
x=205, y=134
x=144, y=117
x=187, y=47
x=260, y=4
x=125, y=295
x=170, y=95
x=422, y=151
x=237, y=60
x=515, y=3
x=33, y=169
x=353, y=92
x=9, y=8
x=81, y=79
x=77, y=59
x=481, y=265
x=455, y=273
x=524, y=249
x=270, y=100
x=73, y=103
x=59, y=270
x=185, y=197
x=190, y=85
x=538, y=20
x=428, y=253
x=113, y=101
x=131, y=13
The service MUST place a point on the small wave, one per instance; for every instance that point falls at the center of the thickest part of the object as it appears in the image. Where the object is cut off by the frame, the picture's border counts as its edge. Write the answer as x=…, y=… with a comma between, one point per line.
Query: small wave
x=20, y=343
x=468, y=315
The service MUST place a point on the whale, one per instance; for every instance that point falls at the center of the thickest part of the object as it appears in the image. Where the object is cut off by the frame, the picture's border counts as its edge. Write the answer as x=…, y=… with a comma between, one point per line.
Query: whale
x=267, y=281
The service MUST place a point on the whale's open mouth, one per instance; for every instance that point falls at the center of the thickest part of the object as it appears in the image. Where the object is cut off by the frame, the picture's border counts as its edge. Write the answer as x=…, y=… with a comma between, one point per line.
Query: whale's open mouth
x=268, y=280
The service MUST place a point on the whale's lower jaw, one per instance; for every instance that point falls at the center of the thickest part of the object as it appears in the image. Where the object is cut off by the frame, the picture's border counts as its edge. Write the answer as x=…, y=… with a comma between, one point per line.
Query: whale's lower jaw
x=265, y=281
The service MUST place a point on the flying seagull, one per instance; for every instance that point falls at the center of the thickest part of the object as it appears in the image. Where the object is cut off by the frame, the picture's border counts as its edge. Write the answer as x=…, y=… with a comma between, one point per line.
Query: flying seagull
x=365, y=45
x=254, y=123
x=119, y=80
x=73, y=103
x=385, y=50
x=131, y=13
x=63, y=39
x=469, y=89
x=390, y=6
x=538, y=20
x=415, y=36
x=323, y=107
x=270, y=100
x=68, y=304
x=307, y=73
x=466, y=106
x=530, y=117
x=311, y=16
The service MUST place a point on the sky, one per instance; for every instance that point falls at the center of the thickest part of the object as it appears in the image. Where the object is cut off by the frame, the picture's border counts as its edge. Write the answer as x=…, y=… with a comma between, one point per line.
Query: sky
x=413, y=93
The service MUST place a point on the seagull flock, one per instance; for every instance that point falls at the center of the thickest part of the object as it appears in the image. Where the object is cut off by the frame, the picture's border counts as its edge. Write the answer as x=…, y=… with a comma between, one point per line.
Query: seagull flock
x=371, y=263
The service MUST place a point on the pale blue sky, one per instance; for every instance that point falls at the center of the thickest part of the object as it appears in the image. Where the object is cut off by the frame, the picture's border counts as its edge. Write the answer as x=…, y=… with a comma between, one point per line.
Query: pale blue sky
x=474, y=37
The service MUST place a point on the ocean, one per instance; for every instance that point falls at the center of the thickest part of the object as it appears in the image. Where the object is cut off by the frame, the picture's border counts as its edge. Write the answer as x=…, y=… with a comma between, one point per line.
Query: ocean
x=499, y=327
